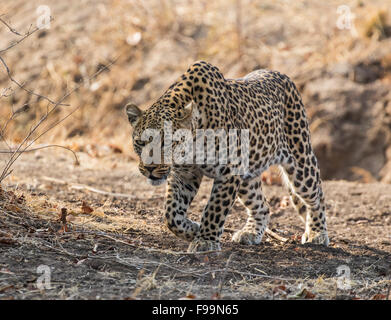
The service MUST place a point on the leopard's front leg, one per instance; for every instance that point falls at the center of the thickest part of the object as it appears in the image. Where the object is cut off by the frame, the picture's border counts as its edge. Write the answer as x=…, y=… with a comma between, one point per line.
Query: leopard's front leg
x=222, y=198
x=181, y=190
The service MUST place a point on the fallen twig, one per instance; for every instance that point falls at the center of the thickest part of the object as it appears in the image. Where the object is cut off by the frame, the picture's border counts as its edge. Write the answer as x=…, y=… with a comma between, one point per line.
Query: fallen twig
x=79, y=186
x=77, y=162
x=275, y=235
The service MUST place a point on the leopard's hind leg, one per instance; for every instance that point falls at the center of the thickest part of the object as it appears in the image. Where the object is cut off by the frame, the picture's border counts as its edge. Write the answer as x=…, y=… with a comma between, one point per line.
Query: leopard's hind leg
x=305, y=189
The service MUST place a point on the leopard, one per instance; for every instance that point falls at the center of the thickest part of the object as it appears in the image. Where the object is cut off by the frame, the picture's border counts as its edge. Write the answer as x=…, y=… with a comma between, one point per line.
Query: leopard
x=269, y=106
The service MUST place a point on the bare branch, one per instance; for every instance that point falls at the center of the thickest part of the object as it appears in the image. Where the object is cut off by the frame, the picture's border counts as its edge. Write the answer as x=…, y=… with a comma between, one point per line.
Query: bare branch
x=26, y=144
x=26, y=35
x=21, y=86
x=5, y=93
x=77, y=162
x=10, y=28
x=20, y=150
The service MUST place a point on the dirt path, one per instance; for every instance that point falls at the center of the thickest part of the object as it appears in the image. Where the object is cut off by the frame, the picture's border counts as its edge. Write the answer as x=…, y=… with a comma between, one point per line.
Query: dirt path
x=122, y=249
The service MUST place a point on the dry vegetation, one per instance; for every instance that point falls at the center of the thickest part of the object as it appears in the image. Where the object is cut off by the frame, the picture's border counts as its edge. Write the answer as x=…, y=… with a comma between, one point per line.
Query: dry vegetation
x=98, y=55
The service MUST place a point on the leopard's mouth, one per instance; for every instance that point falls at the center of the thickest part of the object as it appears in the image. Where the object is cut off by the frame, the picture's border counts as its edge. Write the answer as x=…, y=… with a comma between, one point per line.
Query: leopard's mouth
x=157, y=181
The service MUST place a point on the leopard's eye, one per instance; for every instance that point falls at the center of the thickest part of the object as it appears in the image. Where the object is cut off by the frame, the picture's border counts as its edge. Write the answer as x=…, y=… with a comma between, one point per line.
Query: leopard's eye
x=140, y=143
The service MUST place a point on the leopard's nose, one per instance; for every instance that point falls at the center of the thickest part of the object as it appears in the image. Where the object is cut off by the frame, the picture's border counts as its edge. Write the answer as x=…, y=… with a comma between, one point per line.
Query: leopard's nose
x=149, y=168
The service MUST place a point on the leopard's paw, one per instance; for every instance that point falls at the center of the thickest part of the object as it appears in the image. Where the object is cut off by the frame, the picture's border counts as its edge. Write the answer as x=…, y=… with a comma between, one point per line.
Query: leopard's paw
x=247, y=237
x=202, y=245
x=188, y=230
x=191, y=233
x=316, y=238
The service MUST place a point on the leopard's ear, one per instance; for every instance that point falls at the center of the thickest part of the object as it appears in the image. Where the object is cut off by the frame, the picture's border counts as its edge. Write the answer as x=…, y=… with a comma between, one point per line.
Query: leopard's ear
x=187, y=111
x=133, y=112
x=186, y=115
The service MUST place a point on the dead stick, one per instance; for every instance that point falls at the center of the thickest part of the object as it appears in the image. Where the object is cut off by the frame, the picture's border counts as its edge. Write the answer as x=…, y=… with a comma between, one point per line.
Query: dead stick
x=275, y=235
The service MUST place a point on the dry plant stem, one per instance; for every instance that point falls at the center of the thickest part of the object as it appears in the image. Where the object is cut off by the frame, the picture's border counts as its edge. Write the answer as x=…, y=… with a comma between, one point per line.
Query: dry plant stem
x=29, y=33
x=21, y=86
x=26, y=35
x=78, y=186
x=224, y=274
x=9, y=27
x=275, y=235
x=44, y=147
x=16, y=153
x=20, y=151
x=13, y=115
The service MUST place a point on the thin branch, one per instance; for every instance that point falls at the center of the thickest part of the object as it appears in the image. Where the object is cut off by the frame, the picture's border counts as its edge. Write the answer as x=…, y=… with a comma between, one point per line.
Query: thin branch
x=77, y=162
x=275, y=235
x=10, y=28
x=4, y=92
x=21, y=86
x=17, y=154
x=26, y=35
x=22, y=109
x=223, y=276
x=79, y=186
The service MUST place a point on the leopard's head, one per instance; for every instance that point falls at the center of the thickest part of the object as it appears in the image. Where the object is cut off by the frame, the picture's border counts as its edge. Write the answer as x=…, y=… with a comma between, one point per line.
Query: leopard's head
x=150, y=128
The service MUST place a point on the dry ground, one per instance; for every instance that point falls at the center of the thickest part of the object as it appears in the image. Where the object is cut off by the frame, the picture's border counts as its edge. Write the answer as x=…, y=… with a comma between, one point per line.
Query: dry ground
x=116, y=246
x=122, y=249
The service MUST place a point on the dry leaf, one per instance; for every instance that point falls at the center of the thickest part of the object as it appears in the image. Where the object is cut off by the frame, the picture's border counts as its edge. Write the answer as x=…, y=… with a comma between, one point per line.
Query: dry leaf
x=379, y=296
x=279, y=288
x=86, y=209
x=296, y=237
x=306, y=294
x=216, y=296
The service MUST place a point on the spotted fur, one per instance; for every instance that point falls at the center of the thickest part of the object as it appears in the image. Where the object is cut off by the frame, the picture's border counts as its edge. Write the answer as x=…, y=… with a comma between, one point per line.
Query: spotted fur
x=269, y=105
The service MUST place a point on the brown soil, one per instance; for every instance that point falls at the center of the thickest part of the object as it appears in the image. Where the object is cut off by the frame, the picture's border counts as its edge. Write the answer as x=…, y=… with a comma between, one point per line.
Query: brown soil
x=122, y=249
